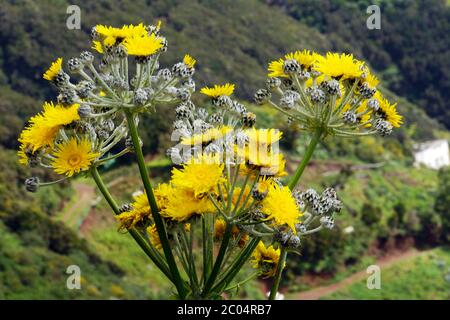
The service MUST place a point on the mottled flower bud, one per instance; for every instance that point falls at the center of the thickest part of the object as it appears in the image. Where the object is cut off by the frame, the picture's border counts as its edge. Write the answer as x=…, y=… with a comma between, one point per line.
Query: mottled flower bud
x=317, y=95
x=262, y=96
x=291, y=66
x=32, y=184
x=222, y=101
x=126, y=207
x=84, y=111
x=237, y=107
x=183, y=112
x=373, y=104
x=67, y=96
x=349, y=117
x=367, y=92
x=84, y=88
x=331, y=87
x=86, y=57
x=383, y=127
x=273, y=83
x=248, y=119
x=74, y=65
x=140, y=97
x=216, y=118
x=183, y=94
x=327, y=222
x=164, y=74
x=293, y=242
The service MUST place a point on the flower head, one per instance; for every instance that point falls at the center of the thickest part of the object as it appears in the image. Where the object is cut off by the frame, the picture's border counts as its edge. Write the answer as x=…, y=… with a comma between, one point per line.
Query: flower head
x=73, y=156
x=218, y=90
x=182, y=204
x=266, y=259
x=59, y=115
x=201, y=175
x=388, y=111
x=38, y=134
x=143, y=46
x=280, y=207
x=189, y=61
x=54, y=70
x=112, y=36
x=342, y=66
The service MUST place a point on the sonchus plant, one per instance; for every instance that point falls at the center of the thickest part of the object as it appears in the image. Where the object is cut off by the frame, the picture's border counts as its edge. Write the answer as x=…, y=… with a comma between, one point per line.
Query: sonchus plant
x=225, y=204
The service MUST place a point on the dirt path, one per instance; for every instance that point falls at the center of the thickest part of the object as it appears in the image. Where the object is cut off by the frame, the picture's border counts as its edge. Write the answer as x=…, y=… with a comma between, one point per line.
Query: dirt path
x=323, y=291
x=85, y=195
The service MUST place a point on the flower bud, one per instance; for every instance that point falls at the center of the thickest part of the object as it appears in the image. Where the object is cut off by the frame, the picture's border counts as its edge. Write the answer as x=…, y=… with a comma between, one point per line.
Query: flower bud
x=32, y=184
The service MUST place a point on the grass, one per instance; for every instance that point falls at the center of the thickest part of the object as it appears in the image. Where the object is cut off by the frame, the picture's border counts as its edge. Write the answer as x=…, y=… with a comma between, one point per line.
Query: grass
x=418, y=278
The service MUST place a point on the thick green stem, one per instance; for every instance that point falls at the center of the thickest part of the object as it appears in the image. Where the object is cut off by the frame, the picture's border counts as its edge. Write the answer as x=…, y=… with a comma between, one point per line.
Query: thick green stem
x=308, y=154
x=280, y=267
x=178, y=281
x=219, y=260
x=136, y=236
x=236, y=265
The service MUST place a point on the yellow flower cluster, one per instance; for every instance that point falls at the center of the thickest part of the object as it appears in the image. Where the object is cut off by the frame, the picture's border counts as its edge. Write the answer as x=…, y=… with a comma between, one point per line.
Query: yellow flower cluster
x=136, y=39
x=355, y=80
x=68, y=157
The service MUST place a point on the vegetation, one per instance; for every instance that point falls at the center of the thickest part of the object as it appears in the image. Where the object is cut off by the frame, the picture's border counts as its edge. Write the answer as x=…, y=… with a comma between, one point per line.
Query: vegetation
x=423, y=277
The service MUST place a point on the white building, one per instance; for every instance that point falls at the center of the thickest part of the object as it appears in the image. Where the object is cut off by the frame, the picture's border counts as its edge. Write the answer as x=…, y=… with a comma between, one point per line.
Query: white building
x=432, y=154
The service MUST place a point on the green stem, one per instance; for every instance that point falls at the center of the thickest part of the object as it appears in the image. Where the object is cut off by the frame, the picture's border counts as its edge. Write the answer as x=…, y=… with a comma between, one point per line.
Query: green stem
x=280, y=266
x=178, y=281
x=218, y=264
x=308, y=154
x=136, y=236
x=237, y=264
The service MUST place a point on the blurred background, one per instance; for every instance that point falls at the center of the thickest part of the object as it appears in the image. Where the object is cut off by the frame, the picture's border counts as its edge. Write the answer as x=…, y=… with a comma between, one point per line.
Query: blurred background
x=396, y=191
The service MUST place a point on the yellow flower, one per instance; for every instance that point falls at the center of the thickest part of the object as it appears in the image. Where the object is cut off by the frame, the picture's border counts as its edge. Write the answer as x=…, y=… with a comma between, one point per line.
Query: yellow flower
x=263, y=136
x=59, y=115
x=389, y=111
x=370, y=79
x=143, y=46
x=54, y=69
x=305, y=58
x=218, y=90
x=280, y=207
x=97, y=46
x=343, y=66
x=112, y=36
x=126, y=220
x=72, y=157
x=219, y=228
x=182, y=205
x=276, y=69
x=200, y=175
x=266, y=259
x=23, y=154
x=259, y=157
x=189, y=61
x=207, y=136
x=38, y=134
x=154, y=237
